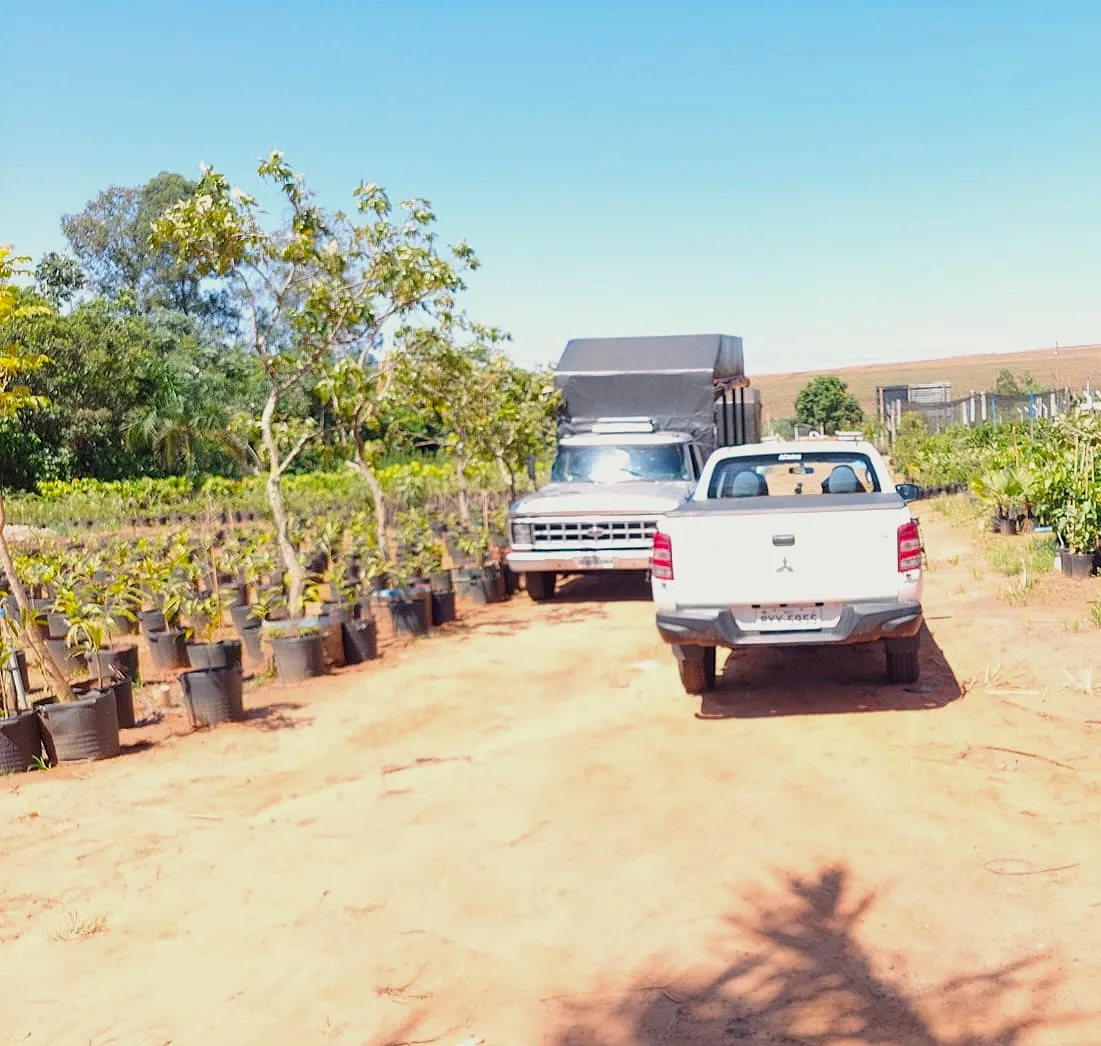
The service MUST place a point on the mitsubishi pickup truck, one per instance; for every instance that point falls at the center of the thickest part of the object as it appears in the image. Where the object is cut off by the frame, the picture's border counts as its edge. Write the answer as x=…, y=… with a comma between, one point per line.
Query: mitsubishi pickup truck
x=790, y=544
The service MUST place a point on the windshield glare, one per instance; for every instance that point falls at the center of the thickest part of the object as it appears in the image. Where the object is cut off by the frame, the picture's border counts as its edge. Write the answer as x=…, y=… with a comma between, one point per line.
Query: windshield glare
x=622, y=464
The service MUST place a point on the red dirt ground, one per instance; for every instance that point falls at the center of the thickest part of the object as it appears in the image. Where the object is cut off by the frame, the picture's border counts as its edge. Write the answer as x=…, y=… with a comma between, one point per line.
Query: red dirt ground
x=523, y=832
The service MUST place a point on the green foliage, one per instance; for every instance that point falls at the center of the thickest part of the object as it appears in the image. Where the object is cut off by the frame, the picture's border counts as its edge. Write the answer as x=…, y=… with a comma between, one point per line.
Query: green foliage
x=784, y=428
x=826, y=404
x=1007, y=384
x=111, y=242
x=1048, y=469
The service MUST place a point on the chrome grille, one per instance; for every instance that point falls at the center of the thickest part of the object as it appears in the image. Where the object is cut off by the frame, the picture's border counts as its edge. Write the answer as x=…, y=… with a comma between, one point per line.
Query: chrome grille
x=593, y=533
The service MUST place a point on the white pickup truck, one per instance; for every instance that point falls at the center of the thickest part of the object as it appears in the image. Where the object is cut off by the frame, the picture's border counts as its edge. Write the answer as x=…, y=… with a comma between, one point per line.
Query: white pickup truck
x=784, y=544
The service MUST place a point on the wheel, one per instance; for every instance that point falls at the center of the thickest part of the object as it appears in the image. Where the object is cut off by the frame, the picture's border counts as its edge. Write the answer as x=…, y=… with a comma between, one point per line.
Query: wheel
x=902, y=665
x=697, y=668
x=540, y=584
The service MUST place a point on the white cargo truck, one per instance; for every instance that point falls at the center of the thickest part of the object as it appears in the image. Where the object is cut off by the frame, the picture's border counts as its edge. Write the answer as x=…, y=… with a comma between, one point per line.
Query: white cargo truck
x=641, y=417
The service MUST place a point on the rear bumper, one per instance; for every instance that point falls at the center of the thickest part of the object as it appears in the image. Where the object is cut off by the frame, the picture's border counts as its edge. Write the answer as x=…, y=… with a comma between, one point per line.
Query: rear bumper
x=859, y=623
x=580, y=562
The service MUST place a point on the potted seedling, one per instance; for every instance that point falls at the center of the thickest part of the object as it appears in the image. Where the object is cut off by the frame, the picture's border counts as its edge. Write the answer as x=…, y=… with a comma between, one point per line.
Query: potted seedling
x=88, y=727
x=298, y=650
x=168, y=647
x=205, y=613
x=1077, y=532
x=213, y=689
x=20, y=733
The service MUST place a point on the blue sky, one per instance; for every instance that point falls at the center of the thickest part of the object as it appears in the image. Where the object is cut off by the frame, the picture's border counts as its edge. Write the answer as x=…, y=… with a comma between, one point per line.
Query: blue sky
x=838, y=182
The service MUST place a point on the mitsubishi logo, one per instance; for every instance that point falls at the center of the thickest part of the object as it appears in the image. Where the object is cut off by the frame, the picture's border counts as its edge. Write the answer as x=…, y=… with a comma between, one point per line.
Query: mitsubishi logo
x=784, y=566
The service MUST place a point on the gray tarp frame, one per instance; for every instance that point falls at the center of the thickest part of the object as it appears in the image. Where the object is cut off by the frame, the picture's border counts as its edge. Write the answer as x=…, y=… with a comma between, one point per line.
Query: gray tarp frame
x=673, y=381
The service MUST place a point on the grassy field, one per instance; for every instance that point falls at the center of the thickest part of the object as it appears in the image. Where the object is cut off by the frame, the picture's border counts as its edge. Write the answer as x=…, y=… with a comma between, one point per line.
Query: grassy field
x=1070, y=367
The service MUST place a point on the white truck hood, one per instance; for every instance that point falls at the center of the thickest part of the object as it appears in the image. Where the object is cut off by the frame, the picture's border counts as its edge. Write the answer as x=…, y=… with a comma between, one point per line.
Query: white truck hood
x=572, y=499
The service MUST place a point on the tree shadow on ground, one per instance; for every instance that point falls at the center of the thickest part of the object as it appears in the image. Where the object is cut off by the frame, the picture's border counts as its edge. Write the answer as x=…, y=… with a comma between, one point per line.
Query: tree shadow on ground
x=801, y=978
x=759, y=682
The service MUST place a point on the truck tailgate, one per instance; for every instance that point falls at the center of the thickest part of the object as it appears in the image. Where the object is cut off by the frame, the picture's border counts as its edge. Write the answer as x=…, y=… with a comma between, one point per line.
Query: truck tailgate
x=807, y=550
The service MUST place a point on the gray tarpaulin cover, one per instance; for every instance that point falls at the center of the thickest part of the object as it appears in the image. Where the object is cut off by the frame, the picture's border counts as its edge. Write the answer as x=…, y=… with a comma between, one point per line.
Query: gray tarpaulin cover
x=666, y=379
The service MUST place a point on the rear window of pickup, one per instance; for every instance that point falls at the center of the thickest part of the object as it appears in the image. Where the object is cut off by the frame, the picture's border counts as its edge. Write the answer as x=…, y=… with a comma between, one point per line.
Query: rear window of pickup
x=823, y=473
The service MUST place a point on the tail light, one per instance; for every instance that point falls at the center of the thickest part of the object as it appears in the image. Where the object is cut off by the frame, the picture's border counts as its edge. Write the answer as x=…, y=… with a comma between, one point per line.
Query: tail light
x=909, y=547
x=661, y=563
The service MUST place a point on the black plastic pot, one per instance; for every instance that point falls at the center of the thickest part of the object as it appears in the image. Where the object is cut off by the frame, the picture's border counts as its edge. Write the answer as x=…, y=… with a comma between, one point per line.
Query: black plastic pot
x=124, y=703
x=360, y=641
x=496, y=588
x=472, y=586
x=20, y=742
x=224, y=654
x=253, y=642
x=1077, y=565
x=241, y=615
x=443, y=607
x=58, y=625
x=213, y=695
x=298, y=657
x=69, y=661
x=1007, y=525
x=152, y=621
x=339, y=611
x=77, y=731
x=332, y=638
x=123, y=626
x=113, y=663
x=123, y=691
x=168, y=650
x=409, y=614
x=441, y=581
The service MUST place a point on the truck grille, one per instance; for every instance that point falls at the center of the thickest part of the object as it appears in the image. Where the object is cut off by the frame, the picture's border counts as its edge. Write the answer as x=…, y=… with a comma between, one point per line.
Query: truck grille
x=608, y=533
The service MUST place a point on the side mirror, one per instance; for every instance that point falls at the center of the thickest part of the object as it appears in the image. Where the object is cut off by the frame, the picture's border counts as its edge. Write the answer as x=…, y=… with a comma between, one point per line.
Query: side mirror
x=529, y=463
x=908, y=491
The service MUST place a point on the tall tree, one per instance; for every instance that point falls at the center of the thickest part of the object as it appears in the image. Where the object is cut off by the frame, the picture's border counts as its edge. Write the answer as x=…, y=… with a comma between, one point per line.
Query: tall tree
x=449, y=371
x=15, y=396
x=826, y=404
x=108, y=368
x=321, y=289
x=111, y=241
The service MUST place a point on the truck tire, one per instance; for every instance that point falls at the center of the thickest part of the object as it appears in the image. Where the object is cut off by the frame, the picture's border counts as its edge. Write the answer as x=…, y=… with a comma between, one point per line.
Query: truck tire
x=902, y=664
x=697, y=669
x=540, y=584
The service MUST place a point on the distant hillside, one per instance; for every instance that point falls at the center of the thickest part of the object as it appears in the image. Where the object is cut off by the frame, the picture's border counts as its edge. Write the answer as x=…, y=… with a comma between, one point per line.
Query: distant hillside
x=1070, y=367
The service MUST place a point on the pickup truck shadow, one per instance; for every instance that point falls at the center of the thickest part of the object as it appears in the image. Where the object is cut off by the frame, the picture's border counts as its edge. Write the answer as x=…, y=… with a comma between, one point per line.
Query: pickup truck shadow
x=762, y=682
x=613, y=587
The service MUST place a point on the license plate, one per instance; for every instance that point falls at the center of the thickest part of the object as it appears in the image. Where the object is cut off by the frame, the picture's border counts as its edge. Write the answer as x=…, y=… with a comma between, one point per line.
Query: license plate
x=596, y=562
x=789, y=618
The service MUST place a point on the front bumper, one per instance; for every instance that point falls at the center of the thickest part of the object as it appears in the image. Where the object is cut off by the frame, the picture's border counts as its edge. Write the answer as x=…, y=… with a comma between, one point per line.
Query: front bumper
x=859, y=623
x=595, y=562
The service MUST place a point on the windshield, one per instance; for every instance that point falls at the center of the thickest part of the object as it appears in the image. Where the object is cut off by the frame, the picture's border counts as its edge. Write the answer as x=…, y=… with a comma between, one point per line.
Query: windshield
x=611, y=464
x=793, y=473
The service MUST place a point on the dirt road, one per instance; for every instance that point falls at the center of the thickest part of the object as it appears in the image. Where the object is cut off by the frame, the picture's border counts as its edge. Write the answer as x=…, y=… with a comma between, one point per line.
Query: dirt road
x=522, y=831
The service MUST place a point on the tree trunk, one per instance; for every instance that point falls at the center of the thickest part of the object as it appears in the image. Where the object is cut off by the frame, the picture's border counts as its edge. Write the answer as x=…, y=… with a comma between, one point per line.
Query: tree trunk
x=55, y=679
x=506, y=474
x=274, y=488
x=460, y=482
x=367, y=473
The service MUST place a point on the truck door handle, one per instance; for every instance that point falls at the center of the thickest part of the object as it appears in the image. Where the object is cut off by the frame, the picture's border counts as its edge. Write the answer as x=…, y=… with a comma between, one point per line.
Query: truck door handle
x=783, y=540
